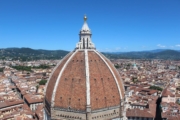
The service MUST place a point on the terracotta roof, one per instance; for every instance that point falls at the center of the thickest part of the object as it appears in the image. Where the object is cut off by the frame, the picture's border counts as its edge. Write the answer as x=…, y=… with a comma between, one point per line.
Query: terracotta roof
x=53, y=79
x=33, y=98
x=167, y=93
x=177, y=117
x=39, y=112
x=120, y=82
x=104, y=91
x=10, y=103
x=71, y=90
x=139, y=113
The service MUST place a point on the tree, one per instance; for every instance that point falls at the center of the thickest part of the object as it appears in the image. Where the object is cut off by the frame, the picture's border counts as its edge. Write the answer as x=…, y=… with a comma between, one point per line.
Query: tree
x=134, y=79
x=116, y=66
x=1, y=69
x=42, y=82
x=42, y=66
x=23, y=68
x=156, y=88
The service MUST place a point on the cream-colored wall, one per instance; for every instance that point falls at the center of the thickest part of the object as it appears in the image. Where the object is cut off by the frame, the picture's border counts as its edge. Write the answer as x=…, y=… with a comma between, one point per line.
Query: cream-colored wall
x=169, y=99
x=55, y=114
x=100, y=115
x=104, y=115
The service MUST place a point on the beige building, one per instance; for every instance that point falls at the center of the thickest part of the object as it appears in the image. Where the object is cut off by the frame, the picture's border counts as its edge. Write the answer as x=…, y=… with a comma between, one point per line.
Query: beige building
x=168, y=97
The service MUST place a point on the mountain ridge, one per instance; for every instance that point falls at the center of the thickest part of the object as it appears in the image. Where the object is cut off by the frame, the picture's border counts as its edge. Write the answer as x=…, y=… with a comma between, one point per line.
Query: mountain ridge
x=151, y=51
x=27, y=54
x=154, y=54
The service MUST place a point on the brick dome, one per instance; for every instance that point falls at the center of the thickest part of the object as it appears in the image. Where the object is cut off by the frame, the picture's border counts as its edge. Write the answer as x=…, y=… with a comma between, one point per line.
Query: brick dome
x=84, y=85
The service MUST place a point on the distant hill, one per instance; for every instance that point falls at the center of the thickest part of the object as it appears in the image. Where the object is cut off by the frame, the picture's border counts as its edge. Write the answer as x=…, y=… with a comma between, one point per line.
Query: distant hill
x=27, y=54
x=154, y=54
x=150, y=51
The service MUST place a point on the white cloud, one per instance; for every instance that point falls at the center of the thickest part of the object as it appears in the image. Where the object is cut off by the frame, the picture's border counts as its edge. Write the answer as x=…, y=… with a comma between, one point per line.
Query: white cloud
x=171, y=46
x=178, y=45
x=104, y=50
x=161, y=46
x=107, y=50
x=117, y=48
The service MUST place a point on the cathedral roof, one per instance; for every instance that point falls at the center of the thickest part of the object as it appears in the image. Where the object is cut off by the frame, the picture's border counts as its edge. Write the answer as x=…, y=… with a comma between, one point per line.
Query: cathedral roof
x=67, y=87
x=84, y=79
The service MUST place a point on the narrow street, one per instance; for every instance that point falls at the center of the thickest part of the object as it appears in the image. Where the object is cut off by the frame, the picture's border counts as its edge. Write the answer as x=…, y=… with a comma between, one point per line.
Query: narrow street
x=158, y=110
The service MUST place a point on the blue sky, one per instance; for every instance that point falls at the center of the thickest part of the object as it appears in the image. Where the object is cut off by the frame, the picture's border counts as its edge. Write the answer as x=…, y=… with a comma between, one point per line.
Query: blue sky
x=116, y=25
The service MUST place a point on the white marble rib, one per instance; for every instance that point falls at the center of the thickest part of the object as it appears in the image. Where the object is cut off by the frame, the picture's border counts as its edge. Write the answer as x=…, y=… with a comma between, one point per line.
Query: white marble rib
x=87, y=78
x=111, y=72
x=116, y=71
x=58, y=79
x=53, y=72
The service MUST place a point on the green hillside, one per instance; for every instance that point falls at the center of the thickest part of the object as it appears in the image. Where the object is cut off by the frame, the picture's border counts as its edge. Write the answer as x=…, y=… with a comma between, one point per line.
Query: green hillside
x=27, y=54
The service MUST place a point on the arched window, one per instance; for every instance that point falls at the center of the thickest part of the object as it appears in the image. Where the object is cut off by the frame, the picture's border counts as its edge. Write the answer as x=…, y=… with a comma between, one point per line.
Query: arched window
x=83, y=43
x=87, y=42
